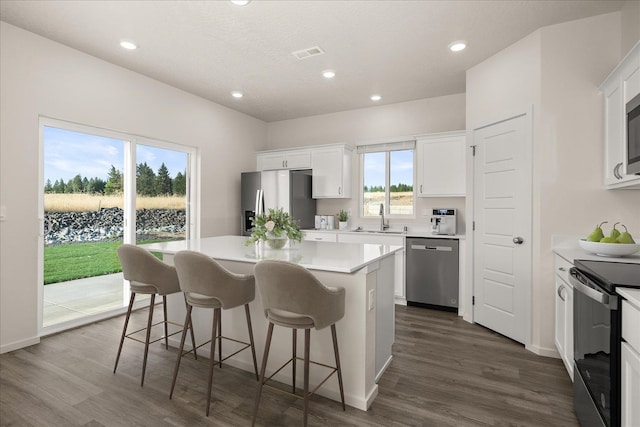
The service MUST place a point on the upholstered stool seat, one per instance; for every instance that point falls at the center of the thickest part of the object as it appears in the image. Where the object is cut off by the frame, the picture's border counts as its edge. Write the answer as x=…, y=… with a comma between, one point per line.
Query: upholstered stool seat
x=207, y=284
x=292, y=297
x=150, y=276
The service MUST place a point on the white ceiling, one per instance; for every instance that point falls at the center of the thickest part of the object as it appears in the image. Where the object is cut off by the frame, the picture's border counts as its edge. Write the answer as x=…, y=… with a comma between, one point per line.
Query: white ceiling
x=210, y=48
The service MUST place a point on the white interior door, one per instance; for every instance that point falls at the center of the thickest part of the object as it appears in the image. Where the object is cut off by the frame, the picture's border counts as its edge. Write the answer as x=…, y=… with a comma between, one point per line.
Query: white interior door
x=502, y=237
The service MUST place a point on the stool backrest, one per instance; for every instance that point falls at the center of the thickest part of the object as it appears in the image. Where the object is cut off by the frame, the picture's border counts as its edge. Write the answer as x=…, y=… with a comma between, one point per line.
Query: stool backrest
x=203, y=275
x=144, y=270
x=291, y=287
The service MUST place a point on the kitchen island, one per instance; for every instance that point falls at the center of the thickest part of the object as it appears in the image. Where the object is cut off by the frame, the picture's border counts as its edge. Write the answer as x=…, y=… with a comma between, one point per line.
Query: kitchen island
x=365, y=333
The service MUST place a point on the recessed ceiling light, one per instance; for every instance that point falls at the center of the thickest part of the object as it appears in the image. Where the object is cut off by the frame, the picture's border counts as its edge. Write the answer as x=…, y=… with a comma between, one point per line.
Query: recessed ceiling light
x=376, y=97
x=329, y=74
x=236, y=94
x=457, y=46
x=240, y=2
x=125, y=44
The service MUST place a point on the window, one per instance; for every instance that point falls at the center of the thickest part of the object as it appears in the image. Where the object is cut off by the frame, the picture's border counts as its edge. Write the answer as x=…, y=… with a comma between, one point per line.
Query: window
x=387, y=179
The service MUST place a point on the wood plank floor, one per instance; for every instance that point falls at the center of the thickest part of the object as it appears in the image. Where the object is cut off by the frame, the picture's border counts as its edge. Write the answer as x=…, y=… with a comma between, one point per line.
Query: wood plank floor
x=445, y=372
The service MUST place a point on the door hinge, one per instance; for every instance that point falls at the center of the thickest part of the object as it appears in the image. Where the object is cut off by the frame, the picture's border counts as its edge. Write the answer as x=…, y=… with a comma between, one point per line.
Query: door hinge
x=473, y=147
x=473, y=300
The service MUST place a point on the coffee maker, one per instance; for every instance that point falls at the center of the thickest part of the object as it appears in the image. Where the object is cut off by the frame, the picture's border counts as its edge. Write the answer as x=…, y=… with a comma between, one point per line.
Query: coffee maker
x=443, y=221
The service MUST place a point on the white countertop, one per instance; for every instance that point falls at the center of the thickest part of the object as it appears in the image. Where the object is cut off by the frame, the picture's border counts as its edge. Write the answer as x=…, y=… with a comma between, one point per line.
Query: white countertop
x=324, y=256
x=567, y=247
x=631, y=295
x=391, y=232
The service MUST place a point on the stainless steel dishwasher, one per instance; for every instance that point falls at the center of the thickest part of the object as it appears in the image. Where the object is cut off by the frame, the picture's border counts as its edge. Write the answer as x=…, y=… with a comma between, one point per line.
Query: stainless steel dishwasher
x=432, y=272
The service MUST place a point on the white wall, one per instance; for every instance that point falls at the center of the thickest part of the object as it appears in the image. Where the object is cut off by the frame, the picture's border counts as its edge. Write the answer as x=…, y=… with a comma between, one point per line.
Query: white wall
x=41, y=77
x=630, y=15
x=441, y=114
x=558, y=70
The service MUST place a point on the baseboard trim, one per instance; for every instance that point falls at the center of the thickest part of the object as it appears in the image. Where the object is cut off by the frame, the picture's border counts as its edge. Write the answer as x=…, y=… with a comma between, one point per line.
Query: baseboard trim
x=543, y=351
x=17, y=345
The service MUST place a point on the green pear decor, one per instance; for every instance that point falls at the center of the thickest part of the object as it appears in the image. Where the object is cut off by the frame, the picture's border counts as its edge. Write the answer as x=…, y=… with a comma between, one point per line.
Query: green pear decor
x=597, y=234
x=625, y=237
x=615, y=233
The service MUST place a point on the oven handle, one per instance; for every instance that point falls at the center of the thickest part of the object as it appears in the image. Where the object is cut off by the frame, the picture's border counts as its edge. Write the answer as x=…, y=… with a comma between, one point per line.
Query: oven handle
x=600, y=297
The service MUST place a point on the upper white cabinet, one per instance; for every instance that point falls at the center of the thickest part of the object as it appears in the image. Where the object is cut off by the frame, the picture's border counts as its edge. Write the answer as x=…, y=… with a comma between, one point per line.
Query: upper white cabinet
x=441, y=164
x=618, y=89
x=284, y=159
x=331, y=171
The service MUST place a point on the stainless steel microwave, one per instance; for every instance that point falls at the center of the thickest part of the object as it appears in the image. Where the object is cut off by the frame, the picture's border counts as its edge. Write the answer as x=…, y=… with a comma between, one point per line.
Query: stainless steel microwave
x=633, y=136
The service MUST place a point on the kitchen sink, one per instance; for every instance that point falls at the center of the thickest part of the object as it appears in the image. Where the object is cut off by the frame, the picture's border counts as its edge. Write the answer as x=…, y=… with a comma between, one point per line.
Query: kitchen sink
x=378, y=231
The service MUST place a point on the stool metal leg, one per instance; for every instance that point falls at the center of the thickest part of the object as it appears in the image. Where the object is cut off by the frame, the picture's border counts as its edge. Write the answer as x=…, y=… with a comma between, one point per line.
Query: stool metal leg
x=193, y=338
x=294, y=347
x=181, y=349
x=253, y=347
x=219, y=336
x=124, y=329
x=307, y=345
x=263, y=372
x=335, y=350
x=216, y=320
x=146, y=341
x=166, y=327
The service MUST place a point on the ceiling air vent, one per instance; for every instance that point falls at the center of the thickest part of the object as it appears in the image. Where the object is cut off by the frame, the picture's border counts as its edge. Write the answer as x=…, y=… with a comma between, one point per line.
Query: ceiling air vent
x=308, y=53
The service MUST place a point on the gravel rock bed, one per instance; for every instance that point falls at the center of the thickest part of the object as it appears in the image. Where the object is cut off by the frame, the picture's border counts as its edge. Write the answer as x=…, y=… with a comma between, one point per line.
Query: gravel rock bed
x=108, y=224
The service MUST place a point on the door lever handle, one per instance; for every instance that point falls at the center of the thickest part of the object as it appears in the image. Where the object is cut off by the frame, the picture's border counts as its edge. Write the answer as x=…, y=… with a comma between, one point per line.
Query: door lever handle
x=518, y=240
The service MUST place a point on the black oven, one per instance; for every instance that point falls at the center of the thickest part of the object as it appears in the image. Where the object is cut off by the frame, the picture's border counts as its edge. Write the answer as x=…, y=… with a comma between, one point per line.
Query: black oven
x=597, y=331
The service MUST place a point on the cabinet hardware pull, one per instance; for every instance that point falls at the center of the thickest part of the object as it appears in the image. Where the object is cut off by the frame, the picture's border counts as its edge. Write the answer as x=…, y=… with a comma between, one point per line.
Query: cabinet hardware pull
x=421, y=188
x=560, y=288
x=562, y=269
x=340, y=190
x=616, y=170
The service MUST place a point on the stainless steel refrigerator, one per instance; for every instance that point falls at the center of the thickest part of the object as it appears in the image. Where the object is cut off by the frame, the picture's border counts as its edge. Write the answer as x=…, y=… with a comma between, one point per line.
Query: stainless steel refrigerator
x=286, y=189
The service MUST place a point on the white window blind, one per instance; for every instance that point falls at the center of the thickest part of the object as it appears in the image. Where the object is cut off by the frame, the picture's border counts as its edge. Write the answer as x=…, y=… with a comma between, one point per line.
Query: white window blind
x=386, y=146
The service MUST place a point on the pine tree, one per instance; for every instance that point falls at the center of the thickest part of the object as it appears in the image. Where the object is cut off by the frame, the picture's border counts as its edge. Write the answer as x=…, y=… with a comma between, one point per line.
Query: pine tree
x=75, y=184
x=114, y=182
x=163, y=181
x=145, y=180
x=48, y=188
x=180, y=184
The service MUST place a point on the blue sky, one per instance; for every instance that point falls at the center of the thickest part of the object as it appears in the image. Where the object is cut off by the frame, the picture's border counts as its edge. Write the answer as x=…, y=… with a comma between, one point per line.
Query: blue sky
x=68, y=153
x=401, y=167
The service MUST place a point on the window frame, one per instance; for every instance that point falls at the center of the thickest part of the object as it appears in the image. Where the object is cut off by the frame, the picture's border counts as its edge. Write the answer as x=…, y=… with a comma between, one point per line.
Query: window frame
x=387, y=147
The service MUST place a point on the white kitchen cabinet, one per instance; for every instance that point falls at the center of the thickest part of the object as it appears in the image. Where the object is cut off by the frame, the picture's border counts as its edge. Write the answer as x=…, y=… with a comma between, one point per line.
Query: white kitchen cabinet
x=618, y=89
x=630, y=359
x=320, y=236
x=284, y=159
x=441, y=164
x=399, y=278
x=564, y=312
x=331, y=171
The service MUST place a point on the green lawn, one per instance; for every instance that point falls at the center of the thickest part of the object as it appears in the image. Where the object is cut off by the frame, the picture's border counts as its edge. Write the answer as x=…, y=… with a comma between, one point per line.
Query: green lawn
x=80, y=260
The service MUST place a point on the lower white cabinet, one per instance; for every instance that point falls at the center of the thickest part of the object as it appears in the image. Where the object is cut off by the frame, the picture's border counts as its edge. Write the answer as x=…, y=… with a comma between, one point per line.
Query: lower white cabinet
x=399, y=287
x=564, y=312
x=630, y=386
x=630, y=363
x=320, y=236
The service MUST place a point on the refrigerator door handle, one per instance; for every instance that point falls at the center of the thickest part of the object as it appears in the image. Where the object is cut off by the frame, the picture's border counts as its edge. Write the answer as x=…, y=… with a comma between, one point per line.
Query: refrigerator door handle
x=259, y=202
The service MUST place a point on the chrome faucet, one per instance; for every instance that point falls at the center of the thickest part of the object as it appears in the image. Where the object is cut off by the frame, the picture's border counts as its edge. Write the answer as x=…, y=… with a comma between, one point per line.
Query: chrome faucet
x=383, y=226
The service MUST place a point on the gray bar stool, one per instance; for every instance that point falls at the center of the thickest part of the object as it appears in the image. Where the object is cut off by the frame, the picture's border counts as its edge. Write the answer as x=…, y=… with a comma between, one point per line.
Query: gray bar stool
x=150, y=276
x=294, y=298
x=207, y=284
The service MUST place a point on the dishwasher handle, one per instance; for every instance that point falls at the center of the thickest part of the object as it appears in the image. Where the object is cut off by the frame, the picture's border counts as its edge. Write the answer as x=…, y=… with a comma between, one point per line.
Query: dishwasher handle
x=432, y=248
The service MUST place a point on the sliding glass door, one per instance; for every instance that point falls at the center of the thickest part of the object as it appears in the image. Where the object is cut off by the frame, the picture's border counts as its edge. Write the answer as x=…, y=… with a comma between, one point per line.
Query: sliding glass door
x=101, y=189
